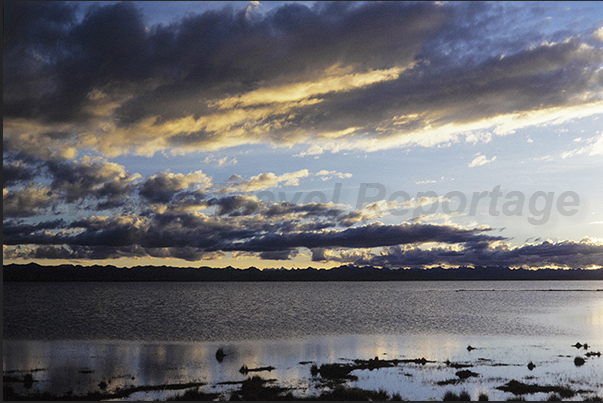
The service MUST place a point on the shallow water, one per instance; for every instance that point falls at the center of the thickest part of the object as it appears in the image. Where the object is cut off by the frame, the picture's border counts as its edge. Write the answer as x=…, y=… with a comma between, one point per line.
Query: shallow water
x=78, y=334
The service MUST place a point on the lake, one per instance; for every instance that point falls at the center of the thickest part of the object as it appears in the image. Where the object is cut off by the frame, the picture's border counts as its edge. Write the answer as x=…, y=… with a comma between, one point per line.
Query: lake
x=73, y=336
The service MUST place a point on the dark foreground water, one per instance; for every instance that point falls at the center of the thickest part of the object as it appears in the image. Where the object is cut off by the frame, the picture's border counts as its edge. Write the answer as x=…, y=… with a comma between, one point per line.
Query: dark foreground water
x=72, y=336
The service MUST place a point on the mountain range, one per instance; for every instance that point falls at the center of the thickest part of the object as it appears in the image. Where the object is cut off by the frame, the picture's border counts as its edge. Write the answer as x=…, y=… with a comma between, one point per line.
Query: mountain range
x=33, y=272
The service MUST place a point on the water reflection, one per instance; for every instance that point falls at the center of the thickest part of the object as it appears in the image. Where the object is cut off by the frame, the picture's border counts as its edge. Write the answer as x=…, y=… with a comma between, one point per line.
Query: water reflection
x=594, y=316
x=80, y=366
x=76, y=343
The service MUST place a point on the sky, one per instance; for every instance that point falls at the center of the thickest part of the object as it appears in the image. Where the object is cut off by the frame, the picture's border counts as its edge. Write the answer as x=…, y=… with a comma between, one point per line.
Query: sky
x=296, y=134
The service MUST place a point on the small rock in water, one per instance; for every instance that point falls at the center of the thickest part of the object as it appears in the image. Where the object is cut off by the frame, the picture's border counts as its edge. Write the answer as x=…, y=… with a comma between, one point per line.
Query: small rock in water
x=577, y=345
x=469, y=348
x=579, y=361
x=220, y=355
x=531, y=366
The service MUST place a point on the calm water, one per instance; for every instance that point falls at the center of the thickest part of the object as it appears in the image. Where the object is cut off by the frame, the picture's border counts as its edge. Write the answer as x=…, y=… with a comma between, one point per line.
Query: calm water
x=77, y=334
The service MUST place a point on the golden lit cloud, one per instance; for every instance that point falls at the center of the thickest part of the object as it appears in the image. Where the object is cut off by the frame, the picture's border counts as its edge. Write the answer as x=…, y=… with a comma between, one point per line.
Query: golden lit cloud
x=267, y=180
x=335, y=79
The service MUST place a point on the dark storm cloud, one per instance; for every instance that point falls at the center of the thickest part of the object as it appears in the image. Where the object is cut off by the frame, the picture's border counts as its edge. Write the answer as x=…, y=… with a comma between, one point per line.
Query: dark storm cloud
x=162, y=187
x=236, y=205
x=100, y=183
x=286, y=254
x=256, y=233
x=84, y=252
x=105, y=182
x=121, y=86
x=564, y=253
x=107, y=252
x=27, y=201
x=367, y=236
x=221, y=53
x=52, y=62
x=549, y=76
x=12, y=229
x=238, y=223
x=200, y=52
x=36, y=36
x=319, y=255
x=15, y=172
x=196, y=236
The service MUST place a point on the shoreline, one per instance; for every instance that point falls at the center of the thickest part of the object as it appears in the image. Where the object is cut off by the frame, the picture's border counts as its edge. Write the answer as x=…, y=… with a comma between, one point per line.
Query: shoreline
x=32, y=272
x=471, y=374
x=331, y=377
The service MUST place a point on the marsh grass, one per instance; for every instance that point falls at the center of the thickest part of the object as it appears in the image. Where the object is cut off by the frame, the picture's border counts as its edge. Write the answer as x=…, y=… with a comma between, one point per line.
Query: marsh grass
x=453, y=397
x=245, y=370
x=520, y=388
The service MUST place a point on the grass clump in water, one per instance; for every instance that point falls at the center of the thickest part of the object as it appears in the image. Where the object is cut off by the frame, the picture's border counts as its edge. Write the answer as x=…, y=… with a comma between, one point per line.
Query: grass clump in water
x=453, y=397
x=520, y=388
x=254, y=389
x=196, y=395
x=341, y=393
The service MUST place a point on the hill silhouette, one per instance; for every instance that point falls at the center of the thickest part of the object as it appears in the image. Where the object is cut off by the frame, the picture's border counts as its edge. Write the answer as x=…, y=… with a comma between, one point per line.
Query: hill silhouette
x=33, y=272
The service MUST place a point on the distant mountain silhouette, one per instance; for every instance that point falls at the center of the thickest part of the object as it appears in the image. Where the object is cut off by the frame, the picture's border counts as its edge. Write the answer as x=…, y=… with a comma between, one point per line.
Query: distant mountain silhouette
x=35, y=272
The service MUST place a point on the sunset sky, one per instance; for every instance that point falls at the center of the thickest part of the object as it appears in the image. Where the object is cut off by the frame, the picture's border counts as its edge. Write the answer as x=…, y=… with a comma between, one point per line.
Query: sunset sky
x=287, y=134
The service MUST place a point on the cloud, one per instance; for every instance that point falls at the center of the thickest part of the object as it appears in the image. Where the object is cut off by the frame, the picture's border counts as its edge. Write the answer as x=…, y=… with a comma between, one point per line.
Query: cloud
x=160, y=188
x=26, y=201
x=76, y=252
x=313, y=150
x=95, y=178
x=594, y=147
x=97, y=182
x=220, y=161
x=276, y=231
x=335, y=80
x=367, y=236
x=481, y=160
x=15, y=172
x=266, y=181
x=240, y=224
x=478, y=137
x=572, y=254
x=329, y=77
x=286, y=254
x=236, y=205
x=235, y=178
x=326, y=175
x=11, y=227
x=364, y=76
